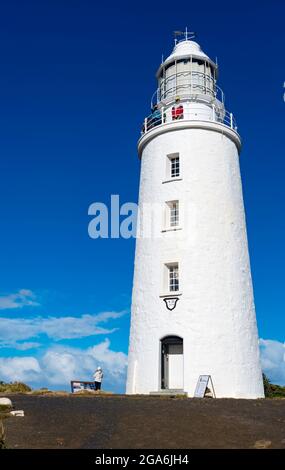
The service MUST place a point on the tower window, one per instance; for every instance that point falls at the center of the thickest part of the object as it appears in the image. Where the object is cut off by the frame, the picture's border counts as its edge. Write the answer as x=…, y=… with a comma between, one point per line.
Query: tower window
x=173, y=277
x=173, y=214
x=174, y=167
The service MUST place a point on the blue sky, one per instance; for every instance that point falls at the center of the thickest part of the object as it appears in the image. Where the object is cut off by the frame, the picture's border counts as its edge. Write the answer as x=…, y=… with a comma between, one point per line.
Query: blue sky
x=76, y=81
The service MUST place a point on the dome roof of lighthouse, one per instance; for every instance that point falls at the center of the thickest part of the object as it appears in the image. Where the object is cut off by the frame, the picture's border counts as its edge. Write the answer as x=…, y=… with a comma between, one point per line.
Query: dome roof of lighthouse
x=184, y=49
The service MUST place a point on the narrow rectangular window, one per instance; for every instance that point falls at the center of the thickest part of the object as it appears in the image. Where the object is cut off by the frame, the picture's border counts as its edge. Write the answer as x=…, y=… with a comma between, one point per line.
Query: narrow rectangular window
x=174, y=167
x=173, y=277
x=174, y=213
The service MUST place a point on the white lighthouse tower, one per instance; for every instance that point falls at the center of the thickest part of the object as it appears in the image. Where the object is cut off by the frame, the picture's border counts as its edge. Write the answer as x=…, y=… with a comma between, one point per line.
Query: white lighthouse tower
x=192, y=305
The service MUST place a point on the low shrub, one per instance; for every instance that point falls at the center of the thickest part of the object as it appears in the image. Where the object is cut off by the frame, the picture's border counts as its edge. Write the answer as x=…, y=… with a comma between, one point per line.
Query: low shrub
x=272, y=390
x=14, y=387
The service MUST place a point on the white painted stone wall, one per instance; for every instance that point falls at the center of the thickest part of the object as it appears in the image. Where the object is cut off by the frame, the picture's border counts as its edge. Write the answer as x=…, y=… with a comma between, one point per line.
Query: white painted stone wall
x=215, y=314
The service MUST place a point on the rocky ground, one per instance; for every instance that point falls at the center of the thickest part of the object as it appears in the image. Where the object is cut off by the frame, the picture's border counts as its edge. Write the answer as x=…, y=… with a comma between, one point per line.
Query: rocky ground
x=91, y=422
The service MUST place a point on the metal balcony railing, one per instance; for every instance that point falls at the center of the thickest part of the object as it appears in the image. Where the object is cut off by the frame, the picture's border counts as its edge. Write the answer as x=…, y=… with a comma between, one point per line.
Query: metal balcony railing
x=188, y=113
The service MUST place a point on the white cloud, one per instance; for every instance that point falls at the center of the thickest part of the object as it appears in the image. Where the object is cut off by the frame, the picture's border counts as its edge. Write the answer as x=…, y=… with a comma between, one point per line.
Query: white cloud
x=20, y=346
x=57, y=328
x=62, y=364
x=22, y=369
x=22, y=298
x=59, y=365
x=273, y=360
x=114, y=361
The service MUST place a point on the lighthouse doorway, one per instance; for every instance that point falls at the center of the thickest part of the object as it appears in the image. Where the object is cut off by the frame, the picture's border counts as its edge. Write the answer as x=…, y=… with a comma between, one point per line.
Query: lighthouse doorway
x=172, y=363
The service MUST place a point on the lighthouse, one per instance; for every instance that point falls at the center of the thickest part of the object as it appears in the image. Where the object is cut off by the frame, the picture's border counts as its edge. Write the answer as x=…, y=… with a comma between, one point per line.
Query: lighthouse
x=193, y=308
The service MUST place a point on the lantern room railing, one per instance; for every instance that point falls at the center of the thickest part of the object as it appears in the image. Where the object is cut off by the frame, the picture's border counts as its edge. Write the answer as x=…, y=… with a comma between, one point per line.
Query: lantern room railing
x=192, y=112
x=187, y=84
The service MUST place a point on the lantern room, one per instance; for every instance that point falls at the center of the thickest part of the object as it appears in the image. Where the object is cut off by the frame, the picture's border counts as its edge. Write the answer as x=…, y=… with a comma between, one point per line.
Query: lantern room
x=187, y=88
x=188, y=73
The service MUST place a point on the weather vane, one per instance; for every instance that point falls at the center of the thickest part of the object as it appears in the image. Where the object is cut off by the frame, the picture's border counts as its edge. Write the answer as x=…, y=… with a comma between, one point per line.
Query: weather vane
x=186, y=34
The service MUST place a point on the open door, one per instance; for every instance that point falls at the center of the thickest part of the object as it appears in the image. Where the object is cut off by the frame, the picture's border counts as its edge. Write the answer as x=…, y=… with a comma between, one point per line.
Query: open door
x=172, y=363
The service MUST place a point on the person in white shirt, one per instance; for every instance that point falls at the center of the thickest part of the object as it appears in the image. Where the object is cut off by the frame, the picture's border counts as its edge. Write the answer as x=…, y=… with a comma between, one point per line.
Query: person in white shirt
x=98, y=376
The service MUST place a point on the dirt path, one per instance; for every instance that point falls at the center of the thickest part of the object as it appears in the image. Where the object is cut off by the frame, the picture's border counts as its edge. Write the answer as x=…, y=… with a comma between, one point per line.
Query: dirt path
x=145, y=422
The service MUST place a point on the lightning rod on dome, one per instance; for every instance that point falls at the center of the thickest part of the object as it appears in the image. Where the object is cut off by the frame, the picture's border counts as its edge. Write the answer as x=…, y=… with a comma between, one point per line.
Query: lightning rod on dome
x=188, y=35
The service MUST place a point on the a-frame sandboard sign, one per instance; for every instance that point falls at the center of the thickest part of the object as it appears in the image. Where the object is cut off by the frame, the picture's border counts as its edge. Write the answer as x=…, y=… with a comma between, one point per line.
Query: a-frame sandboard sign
x=202, y=384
